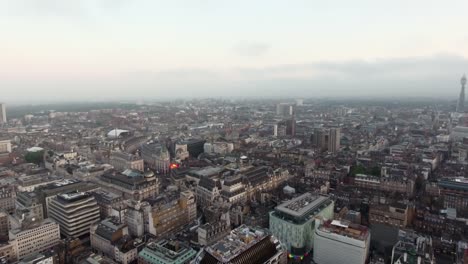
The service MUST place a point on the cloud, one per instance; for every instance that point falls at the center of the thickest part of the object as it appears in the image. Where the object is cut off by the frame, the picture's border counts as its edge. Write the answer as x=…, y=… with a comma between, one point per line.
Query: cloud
x=252, y=49
x=436, y=76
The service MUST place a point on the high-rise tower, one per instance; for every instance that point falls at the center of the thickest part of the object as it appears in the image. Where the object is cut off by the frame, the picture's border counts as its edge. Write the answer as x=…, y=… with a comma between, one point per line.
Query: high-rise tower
x=2, y=113
x=461, y=99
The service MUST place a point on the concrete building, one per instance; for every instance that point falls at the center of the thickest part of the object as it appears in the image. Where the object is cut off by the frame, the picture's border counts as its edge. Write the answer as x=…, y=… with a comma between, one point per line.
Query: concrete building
x=334, y=138
x=75, y=212
x=7, y=197
x=166, y=251
x=156, y=157
x=111, y=238
x=35, y=236
x=122, y=161
x=132, y=184
x=293, y=222
x=341, y=242
x=245, y=245
x=30, y=201
x=47, y=193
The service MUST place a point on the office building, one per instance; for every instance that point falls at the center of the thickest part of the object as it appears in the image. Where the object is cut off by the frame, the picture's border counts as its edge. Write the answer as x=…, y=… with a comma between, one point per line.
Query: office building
x=35, y=236
x=7, y=198
x=320, y=139
x=341, y=242
x=454, y=193
x=75, y=212
x=122, y=161
x=461, y=98
x=166, y=251
x=156, y=157
x=111, y=238
x=293, y=222
x=171, y=215
x=132, y=184
x=3, y=117
x=245, y=245
x=334, y=138
x=285, y=109
x=48, y=192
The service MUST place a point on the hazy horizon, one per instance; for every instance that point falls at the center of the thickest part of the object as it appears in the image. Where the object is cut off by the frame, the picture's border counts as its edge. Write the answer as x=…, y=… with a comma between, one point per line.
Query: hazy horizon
x=148, y=50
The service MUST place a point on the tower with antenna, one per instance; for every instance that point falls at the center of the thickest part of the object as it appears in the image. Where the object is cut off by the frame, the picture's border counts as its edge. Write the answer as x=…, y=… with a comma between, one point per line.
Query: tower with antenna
x=461, y=99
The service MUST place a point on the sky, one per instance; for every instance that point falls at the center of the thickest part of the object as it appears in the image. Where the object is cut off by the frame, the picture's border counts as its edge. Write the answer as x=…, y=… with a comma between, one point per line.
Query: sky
x=71, y=50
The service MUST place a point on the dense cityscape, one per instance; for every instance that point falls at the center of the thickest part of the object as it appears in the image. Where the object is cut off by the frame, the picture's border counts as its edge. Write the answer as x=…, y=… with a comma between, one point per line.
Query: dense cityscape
x=237, y=181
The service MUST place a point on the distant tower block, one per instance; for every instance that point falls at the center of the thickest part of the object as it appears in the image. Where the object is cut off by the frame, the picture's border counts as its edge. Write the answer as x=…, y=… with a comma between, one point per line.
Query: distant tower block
x=3, y=118
x=461, y=99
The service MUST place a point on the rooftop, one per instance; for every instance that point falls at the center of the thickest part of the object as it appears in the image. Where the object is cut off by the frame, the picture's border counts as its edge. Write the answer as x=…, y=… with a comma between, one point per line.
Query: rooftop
x=238, y=241
x=345, y=228
x=302, y=205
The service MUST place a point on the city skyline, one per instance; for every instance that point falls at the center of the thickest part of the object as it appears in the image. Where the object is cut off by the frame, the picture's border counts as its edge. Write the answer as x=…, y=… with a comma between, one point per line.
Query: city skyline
x=156, y=49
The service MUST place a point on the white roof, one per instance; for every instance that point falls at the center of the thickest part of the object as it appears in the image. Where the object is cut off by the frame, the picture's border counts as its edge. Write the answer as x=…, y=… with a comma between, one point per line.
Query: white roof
x=116, y=133
x=35, y=149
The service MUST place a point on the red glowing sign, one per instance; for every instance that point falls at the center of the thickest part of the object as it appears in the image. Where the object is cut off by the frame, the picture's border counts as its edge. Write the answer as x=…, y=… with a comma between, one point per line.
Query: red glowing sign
x=174, y=166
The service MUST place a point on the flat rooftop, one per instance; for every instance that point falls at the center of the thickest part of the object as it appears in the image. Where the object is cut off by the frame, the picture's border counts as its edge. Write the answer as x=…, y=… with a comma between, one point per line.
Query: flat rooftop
x=345, y=228
x=238, y=241
x=303, y=204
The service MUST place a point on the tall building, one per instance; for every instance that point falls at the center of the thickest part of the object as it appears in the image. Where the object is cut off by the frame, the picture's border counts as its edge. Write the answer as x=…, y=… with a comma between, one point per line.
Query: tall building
x=341, y=242
x=7, y=198
x=165, y=251
x=4, y=227
x=3, y=118
x=244, y=245
x=75, y=212
x=334, y=137
x=320, y=139
x=293, y=222
x=35, y=236
x=285, y=109
x=461, y=99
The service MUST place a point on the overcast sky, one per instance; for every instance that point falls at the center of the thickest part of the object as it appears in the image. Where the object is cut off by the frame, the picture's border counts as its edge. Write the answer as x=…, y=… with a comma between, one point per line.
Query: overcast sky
x=113, y=49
